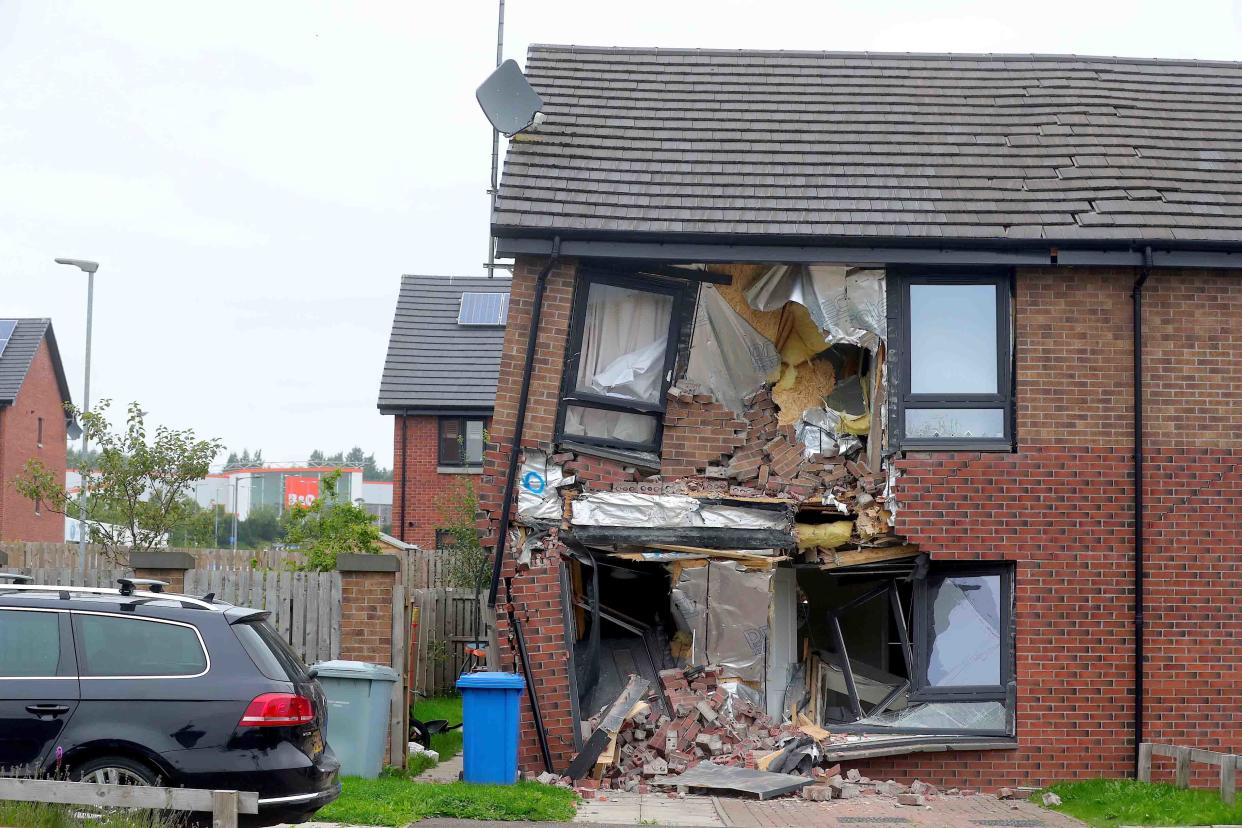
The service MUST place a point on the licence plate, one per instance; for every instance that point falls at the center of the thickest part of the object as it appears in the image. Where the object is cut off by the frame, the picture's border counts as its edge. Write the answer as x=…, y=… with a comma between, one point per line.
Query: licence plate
x=316, y=743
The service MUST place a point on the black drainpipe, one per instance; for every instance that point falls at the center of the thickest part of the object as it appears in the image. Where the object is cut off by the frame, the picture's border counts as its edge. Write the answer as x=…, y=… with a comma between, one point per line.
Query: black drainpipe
x=515, y=449
x=1137, y=296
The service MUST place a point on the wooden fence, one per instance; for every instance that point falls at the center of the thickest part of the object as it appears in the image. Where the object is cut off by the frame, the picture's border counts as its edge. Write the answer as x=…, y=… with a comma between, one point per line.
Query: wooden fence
x=56, y=555
x=305, y=606
x=1184, y=756
x=223, y=805
x=446, y=626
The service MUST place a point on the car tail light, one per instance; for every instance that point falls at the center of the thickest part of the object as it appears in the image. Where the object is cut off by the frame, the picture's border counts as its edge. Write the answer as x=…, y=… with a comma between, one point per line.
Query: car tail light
x=278, y=710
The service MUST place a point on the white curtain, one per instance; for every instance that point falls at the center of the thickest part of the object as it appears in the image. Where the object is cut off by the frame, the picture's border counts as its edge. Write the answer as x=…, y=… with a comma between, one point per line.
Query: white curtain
x=624, y=341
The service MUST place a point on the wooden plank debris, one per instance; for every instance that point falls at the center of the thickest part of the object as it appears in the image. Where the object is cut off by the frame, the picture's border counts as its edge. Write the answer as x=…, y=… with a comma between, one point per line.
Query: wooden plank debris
x=634, y=690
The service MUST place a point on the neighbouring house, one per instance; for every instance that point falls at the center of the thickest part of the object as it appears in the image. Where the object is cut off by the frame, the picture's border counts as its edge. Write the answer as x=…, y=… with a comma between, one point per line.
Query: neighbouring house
x=33, y=424
x=834, y=380
x=439, y=385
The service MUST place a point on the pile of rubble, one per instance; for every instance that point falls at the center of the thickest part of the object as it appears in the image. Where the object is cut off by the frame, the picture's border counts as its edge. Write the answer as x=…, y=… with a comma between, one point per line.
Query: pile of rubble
x=853, y=785
x=708, y=723
x=770, y=461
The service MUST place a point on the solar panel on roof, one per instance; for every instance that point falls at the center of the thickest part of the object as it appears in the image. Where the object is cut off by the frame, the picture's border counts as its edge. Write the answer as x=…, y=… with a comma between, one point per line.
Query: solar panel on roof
x=483, y=309
x=7, y=326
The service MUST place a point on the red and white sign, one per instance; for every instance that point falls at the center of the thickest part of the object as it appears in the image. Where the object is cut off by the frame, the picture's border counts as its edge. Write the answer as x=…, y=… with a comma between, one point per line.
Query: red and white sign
x=301, y=491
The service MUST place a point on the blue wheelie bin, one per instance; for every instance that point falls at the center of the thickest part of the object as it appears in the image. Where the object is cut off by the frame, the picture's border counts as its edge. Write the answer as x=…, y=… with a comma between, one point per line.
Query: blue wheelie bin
x=490, y=726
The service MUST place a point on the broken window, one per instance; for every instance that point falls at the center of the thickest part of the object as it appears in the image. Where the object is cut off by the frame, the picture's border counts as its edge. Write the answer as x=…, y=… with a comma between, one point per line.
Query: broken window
x=963, y=646
x=622, y=345
x=913, y=651
x=955, y=361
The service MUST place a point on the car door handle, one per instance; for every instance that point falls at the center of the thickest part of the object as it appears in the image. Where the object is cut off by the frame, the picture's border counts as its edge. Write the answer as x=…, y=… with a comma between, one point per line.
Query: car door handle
x=42, y=710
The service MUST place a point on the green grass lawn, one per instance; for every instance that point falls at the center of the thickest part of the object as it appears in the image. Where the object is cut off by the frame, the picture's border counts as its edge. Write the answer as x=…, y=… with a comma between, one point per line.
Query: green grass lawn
x=394, y=800
x=40, y=815
x=447, y=744
x=1107, y=803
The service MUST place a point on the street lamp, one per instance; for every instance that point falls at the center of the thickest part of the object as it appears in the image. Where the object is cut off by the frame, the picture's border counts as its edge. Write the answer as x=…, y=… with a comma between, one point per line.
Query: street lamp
x=89, y=268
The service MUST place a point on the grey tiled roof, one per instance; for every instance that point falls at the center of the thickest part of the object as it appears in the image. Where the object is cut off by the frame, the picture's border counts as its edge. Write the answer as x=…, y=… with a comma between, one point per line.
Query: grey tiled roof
x=18, y=355
x=872, y=145
x=433, y=363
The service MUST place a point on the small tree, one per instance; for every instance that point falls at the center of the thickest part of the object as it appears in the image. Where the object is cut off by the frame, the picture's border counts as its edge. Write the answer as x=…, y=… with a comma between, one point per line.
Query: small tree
x=326, y=528
x=466, y=561
x=137, y=485
x=466, y=564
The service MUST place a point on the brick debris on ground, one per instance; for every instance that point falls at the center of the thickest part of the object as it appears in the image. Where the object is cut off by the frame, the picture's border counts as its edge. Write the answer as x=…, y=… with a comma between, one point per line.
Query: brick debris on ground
x=707, y=724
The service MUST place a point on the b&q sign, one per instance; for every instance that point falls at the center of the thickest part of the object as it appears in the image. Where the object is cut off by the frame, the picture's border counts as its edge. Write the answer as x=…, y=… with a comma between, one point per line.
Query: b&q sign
x=301, y=491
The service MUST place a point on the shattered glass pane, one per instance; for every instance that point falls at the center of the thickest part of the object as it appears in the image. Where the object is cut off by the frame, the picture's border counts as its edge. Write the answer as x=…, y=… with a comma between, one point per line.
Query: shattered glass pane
x=944, y=716
x=955, y=423
x=613, y=425
x=953, y=339
x=966, y=632
x=624, y=340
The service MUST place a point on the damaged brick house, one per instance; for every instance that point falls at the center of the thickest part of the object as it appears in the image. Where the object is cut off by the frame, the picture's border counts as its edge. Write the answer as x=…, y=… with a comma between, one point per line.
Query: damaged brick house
x=822, y=368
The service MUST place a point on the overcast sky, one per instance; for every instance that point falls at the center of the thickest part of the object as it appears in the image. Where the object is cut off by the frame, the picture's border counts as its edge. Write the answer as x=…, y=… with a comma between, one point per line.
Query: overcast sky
x=255, y=176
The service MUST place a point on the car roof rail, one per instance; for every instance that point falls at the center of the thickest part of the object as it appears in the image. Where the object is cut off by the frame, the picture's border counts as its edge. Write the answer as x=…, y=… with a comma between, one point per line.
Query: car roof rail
x=187, y=601
x=16, y=577
x=128, y=585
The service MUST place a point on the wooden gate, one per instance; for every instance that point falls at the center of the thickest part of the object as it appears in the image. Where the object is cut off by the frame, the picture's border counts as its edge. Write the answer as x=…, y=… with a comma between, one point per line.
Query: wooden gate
x=446, y=625
x=305, y=606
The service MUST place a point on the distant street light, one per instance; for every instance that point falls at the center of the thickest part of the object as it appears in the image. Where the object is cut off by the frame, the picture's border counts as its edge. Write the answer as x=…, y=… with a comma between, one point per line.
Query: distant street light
x=89, y=268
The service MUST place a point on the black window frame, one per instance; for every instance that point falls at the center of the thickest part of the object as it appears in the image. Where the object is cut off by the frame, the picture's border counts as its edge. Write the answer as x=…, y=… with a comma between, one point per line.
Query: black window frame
x=899, y=283
x=461, y=462
x=570, y=396
x=923, y=631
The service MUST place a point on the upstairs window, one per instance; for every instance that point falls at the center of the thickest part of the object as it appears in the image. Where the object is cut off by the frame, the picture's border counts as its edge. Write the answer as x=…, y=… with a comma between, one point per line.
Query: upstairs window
x=622, y=345
x=39, y=436
x=956, y=362
x=461, y=441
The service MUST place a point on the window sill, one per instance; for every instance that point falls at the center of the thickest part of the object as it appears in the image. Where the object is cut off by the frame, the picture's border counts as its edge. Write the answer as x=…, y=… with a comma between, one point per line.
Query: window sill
x=878, y=744
x=944, y=446
x=642, y=459
x=459, y=469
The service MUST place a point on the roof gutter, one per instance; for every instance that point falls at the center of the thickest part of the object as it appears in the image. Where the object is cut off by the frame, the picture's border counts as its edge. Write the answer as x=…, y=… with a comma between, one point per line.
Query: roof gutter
x=1008, y=252
x=515, y=447
x=1137, y=329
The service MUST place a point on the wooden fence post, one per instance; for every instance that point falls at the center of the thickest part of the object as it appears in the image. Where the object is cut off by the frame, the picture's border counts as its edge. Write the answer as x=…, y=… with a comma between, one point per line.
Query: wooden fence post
x=224, y=809
x=1229, y=778
x=1144, y=762
x=1183, y=768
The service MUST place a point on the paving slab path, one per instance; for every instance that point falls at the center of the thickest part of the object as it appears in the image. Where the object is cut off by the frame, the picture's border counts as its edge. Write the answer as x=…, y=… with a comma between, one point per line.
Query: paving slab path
x=981, y=811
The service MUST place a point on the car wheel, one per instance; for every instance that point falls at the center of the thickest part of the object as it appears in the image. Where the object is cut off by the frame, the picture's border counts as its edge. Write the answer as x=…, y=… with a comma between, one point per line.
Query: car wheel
x=114, y=770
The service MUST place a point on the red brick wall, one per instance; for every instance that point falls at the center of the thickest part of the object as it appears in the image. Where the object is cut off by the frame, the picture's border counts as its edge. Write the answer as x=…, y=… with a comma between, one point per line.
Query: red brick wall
x=39, y=397
x=536, y=591
x=423, y=483
x=366, y=616
x=1061, y=509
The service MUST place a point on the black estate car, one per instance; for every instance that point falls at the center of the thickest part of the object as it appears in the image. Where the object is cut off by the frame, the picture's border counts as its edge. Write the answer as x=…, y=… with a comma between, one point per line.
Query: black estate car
x=144, y=687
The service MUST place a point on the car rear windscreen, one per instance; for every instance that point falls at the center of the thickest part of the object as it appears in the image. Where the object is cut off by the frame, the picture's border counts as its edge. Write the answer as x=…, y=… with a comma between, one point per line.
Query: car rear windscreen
x=269, y=652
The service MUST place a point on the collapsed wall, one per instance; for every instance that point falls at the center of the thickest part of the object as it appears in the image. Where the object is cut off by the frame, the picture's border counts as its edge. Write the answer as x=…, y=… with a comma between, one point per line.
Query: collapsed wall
x=771, y=473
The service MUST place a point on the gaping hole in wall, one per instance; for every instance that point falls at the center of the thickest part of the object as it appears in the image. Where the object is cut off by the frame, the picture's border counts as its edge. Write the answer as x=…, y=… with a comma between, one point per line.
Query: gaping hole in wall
x=721, y=492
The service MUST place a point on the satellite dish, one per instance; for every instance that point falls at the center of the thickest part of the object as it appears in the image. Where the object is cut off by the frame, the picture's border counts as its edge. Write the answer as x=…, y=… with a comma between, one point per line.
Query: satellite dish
x=508, y=100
